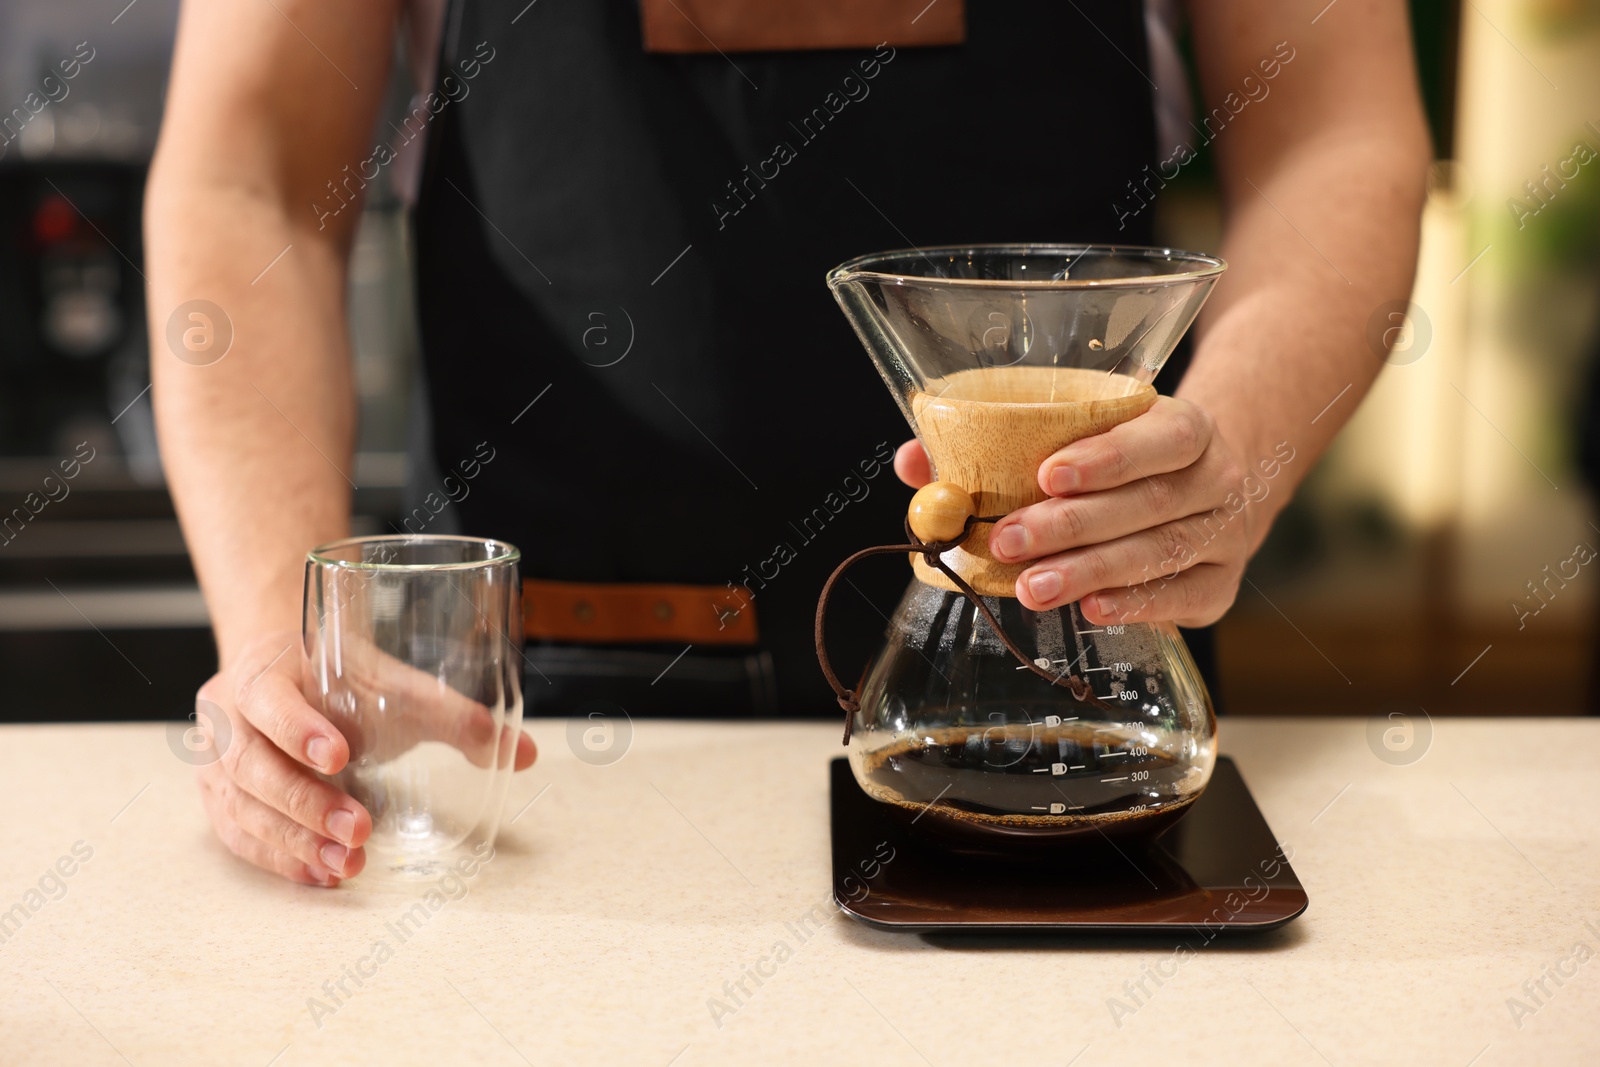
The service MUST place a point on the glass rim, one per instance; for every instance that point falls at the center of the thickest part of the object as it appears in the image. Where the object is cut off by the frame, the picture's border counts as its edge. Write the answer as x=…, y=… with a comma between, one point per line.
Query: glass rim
x=511, y=553
x=860, y=268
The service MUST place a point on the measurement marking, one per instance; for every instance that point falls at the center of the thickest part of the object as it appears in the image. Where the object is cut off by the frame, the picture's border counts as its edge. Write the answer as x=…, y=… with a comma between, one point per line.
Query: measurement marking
x=1069, y=666
x=931, y=803
x=521, y=13
x=1042, y=770
x=1324, y=11
x=1108, y=755
x=1124, y=778
x=1091, y=670
x=1088, y=631
x=1077, y=767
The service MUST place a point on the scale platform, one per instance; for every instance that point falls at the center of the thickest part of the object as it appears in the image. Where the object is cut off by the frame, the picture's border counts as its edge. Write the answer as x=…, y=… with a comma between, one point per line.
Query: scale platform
x=1218, y=869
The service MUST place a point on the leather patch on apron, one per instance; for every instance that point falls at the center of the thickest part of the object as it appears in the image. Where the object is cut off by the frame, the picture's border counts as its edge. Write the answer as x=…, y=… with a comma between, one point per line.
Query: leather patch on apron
x=686, y=26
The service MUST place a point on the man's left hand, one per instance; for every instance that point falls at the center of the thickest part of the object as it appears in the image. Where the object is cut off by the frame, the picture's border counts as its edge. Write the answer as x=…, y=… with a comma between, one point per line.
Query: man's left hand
x=1147, y=522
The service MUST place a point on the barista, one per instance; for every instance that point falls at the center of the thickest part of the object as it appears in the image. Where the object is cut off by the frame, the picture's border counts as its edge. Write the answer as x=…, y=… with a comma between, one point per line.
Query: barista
x=620, y=238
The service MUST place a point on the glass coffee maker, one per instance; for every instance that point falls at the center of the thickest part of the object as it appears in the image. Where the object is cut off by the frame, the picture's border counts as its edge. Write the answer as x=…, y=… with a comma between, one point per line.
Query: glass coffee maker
x=987, y=725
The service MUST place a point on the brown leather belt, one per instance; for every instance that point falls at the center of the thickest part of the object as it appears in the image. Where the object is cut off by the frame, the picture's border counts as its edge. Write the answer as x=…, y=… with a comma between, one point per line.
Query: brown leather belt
x=794, y=25
x=628, y=613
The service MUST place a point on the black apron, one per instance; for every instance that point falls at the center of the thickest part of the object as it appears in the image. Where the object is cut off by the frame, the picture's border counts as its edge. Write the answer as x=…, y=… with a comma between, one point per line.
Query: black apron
x=587, y=199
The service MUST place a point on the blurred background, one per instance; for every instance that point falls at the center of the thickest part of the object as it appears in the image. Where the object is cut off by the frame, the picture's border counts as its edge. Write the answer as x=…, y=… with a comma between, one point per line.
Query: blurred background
x=1445, y=555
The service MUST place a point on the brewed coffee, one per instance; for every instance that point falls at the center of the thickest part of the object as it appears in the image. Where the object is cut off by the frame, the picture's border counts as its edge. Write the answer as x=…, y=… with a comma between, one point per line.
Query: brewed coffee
x=1030, y=776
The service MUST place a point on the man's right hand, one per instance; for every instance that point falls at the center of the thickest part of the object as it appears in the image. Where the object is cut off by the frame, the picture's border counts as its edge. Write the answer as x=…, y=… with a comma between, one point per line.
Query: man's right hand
x=257, y=435
x=264, y=798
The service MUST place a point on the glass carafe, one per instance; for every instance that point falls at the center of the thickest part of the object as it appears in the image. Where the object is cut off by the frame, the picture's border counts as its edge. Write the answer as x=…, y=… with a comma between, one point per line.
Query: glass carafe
x=999, y=356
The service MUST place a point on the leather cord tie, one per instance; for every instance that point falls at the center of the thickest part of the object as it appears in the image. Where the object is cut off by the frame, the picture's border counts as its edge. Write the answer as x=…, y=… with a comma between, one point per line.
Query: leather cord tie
x=931, y=551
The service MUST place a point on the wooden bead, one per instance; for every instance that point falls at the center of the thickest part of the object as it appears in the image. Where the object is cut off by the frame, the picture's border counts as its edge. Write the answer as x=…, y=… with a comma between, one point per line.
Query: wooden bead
x=939, y=512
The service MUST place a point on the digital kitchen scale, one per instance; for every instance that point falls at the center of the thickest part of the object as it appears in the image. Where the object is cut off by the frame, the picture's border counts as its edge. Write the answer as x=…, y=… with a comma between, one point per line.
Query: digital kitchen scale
x=1218, y=869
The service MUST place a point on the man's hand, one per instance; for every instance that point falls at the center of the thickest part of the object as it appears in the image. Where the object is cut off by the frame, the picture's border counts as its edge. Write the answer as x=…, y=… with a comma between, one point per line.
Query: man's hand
x=264, y=797
x=1147, y=522
x=384, y=708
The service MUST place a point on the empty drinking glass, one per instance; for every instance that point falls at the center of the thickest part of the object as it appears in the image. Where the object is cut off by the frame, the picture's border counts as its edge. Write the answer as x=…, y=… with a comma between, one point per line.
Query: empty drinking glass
x=413, y=651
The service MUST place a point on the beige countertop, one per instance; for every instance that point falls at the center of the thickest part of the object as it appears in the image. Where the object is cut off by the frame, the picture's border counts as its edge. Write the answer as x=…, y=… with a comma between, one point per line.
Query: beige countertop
x=626, y=896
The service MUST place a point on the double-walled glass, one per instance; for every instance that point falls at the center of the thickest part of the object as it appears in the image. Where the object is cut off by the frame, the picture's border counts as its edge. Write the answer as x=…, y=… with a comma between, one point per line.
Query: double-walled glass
x=413, y=650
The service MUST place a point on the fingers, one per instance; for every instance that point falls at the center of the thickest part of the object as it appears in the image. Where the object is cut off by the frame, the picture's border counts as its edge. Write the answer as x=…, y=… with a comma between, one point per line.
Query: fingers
x=1063, y=523
x=425, y=708
x=911, y=465
x=443, y=714
x=253, y=849
x=1132, y=572
x=516, y=750
x=470, y=727
x=1169, y=437
x=1196, y=597
x=263, y=770
x=319, y=854
x=275, y=705
x=527, y=752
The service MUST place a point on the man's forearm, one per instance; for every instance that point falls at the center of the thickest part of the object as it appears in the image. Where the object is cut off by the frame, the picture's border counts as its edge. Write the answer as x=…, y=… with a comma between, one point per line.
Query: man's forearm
x=1313, y=250
x=257, y=446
